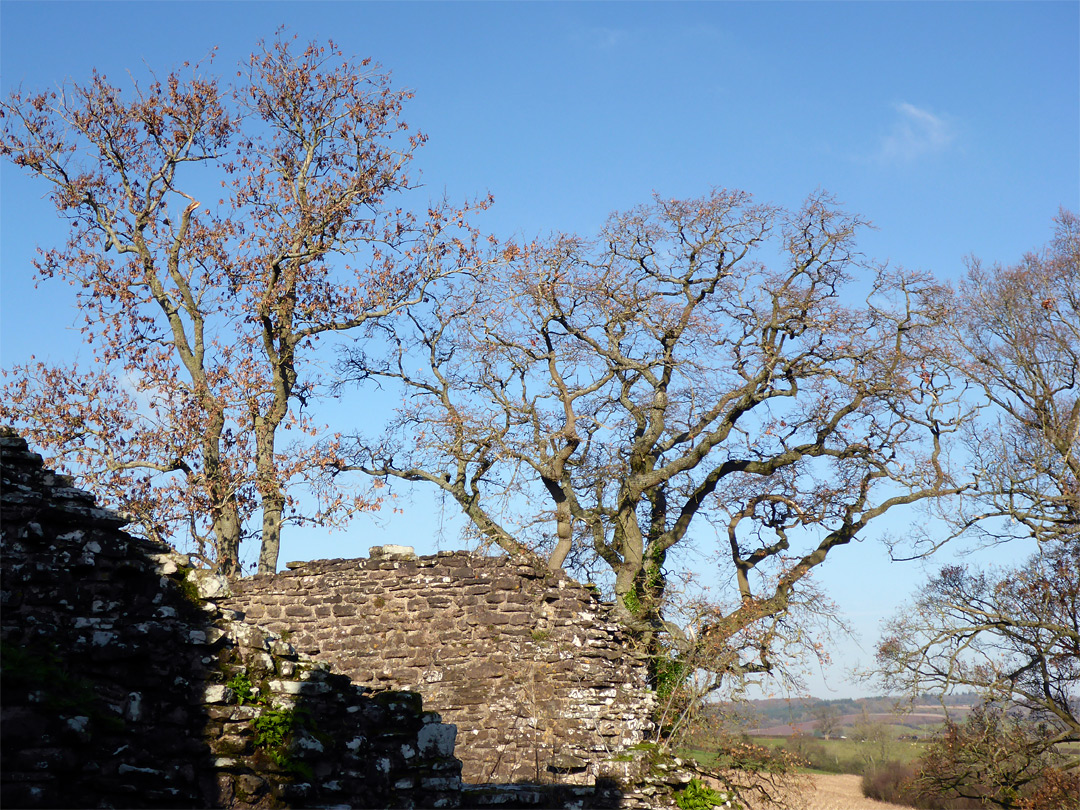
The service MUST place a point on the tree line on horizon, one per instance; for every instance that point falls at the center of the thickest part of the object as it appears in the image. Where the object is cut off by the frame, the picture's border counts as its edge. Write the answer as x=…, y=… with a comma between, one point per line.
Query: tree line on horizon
x=242, y=252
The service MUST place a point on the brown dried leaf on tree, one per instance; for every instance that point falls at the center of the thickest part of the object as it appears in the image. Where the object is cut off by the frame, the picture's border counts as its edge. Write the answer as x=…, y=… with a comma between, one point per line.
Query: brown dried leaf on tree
x=216, y=234
x=992, y=759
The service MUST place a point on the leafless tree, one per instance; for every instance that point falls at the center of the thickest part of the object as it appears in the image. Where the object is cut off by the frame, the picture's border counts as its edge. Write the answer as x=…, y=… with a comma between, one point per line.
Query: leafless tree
x=1012, y=635
x=701, y=361
x=874, y=736
x=1016, y=337
x=827, y=716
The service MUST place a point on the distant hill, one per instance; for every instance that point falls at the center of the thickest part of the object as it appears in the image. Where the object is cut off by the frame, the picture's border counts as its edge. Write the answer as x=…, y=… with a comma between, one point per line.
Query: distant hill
x=782, y=717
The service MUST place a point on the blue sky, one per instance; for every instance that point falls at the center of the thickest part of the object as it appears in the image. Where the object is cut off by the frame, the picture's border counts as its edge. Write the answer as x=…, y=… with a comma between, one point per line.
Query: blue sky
x=953, y=127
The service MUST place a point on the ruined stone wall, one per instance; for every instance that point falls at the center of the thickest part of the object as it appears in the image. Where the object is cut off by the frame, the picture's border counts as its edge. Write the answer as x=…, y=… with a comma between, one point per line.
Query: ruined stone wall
x=528, y=664
x=131, y=679
x=122, y=686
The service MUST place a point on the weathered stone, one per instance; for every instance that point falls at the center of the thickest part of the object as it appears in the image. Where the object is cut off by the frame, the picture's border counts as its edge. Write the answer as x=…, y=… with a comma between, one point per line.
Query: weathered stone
x=156, y=725
x=217, y=693
x=485, y=640
x=437, y=739
x=299, y=687
x=500, y=648
x=392, y=551
x=208, y=584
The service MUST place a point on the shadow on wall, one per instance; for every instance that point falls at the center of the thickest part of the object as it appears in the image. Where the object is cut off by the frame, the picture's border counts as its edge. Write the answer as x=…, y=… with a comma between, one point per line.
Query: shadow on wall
x=124, y=685
x=530, y=665
x=103, y=672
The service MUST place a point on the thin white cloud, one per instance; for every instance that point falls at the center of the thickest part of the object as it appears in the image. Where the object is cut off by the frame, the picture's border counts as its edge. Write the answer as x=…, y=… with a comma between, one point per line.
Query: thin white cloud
x=916, y=134
x=600, y=37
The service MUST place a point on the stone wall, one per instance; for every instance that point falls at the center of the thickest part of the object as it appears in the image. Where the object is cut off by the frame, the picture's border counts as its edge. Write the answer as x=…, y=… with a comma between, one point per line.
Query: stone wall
x=528, y=664
x=124, y=686
x=132, y=679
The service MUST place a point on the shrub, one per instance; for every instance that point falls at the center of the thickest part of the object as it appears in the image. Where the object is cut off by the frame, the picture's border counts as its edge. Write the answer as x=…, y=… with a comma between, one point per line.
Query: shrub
x=904, y=784
x=890, y=782
x=992, y=758
x=1056, y=789
x=815, y=755
x=242, y=688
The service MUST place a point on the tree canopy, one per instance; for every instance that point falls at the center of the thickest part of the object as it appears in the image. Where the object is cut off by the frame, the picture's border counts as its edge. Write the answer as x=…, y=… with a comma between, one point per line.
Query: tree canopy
x=1015, y=334
x=700, y=369
x=710, y=362
x=217, y=232
x=1010, y=633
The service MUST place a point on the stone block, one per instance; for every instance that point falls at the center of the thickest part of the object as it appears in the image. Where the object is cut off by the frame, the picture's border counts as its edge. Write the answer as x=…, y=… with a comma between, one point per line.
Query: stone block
x=391, y=551
x=217, y=693
x=437, y=740
x=208, y=584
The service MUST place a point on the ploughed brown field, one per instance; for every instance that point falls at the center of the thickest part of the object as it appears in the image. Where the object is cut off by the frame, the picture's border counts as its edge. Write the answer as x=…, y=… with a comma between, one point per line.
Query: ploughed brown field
x=829, y=791
x=841, y=791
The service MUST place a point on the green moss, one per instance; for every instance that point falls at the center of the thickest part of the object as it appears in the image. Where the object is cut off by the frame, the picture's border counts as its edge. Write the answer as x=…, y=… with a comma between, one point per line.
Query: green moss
x=190, y=591
x=654, y=575
x=669, y=673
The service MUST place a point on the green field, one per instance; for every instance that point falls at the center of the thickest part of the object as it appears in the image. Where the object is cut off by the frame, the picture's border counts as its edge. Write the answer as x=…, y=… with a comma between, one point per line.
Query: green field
x=827, y=756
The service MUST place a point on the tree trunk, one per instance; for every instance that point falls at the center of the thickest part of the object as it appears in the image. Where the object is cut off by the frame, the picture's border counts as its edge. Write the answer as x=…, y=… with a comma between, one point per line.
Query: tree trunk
x=273, y=499
x=227, y=538
x=225, y=513
x=562, y=547
x=272, y=508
